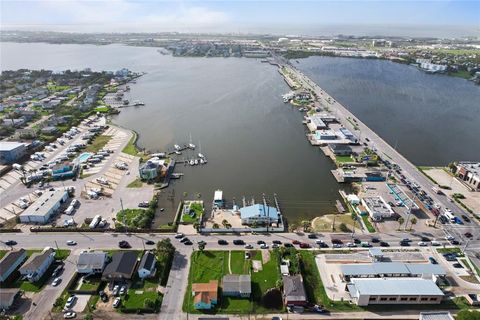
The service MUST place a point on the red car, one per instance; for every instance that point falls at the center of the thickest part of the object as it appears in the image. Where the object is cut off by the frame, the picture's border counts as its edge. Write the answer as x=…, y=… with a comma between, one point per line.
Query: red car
x=296, y=242
x=304, y=245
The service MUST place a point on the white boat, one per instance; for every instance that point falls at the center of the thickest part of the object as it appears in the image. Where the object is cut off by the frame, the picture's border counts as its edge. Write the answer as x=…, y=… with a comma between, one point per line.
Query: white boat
x=176, y=146
x=191, y=145
x=138, y=103
x=191, y=162
x=178, y=152
x=200, y=155
x=196, y=161
x=202, y=161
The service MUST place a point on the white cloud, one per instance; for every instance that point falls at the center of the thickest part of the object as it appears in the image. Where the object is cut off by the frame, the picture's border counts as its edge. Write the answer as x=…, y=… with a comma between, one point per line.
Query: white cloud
x=119, y=16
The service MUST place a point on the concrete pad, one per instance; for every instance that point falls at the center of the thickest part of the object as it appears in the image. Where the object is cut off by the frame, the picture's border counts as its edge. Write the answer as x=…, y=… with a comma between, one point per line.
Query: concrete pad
x=81, y=303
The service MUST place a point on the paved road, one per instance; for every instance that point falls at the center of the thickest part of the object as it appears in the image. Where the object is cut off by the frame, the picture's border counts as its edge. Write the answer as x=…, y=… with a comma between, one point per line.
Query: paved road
x=42, y=302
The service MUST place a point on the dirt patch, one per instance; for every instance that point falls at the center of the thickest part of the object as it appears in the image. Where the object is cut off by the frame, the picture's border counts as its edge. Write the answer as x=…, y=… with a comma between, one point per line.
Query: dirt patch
x=257, y=265
x=265, y=256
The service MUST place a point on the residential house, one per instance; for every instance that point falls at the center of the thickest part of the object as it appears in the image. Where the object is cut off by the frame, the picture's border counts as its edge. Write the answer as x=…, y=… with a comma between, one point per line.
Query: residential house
x=10, y=262
x=260, y=214
x=122, y=267
x=13, y=122
x=205, y=295
x=49, y=130
x=340, y=149
x=91, y=262
x=237, y=285
x=7, y=297
x=294, y=291
x=37, y=264
x=147, y=266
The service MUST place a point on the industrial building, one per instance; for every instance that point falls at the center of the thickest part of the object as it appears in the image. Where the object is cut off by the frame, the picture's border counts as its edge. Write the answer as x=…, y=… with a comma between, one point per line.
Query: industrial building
x=44, y=207
x=11, y=152
x=391, y=269
x=377, y=208
x=366, y=292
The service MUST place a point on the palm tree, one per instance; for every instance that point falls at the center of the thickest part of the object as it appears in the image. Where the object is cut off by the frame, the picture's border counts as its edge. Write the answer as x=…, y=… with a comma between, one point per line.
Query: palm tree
x=292, y=227
x=224, y=223
x=412, y=222
x=400, y=221
x=306, y=225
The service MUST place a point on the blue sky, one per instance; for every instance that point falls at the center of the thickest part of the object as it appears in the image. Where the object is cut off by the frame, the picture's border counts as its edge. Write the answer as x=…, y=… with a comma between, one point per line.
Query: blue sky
x=296, y=17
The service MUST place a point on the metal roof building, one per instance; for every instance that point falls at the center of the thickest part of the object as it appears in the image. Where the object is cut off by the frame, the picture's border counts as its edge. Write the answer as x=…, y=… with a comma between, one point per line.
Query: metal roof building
x=440, y=315
x=394, y=291
x=44, y=207
x=391, y=269
x=237, y=285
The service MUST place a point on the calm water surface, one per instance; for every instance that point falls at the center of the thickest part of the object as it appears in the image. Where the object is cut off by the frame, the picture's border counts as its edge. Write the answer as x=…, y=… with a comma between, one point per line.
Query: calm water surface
x=256, y=144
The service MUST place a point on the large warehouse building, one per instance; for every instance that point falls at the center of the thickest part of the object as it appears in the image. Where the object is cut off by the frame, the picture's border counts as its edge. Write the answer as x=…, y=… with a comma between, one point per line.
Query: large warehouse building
x=391, y=269
x=44, y=207
x=365, y=292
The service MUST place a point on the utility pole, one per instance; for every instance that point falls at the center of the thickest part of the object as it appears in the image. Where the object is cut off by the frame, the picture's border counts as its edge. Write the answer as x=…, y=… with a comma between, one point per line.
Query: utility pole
x=124, y=216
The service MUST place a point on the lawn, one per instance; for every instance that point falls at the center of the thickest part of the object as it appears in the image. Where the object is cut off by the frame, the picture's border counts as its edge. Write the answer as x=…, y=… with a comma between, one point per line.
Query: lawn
x=137, y=183
x=130, y=148
x=139, y=292
x=344, y=159
x=98, y=143
x=367, y=223
x=192, y=206
x=102, y=109
x=213, y=265
x=455, y=250
x=136, y=218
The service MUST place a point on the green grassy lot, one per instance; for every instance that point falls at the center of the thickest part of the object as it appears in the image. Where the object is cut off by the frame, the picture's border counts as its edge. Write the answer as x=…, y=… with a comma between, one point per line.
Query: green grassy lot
x=456, y=250
x=141, y=290
x=197, y=208
x=344, y=159
x=213, y=265
x=368, y=224
x=130, y=147
x=102, y=109
x=137, y=183
x=98, y=143
x=136, y=218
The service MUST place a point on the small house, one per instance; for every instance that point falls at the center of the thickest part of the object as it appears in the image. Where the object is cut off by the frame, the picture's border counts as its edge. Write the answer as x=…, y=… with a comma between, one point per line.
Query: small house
x=205, y=295
x=10, y=262
x=294, y=291
x=37, y=264
x=147, y=267
x=91, y=262
x=234, y=285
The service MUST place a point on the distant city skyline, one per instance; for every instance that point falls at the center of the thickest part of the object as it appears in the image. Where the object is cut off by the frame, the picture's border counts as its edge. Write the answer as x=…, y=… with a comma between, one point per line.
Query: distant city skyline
x=395, y=18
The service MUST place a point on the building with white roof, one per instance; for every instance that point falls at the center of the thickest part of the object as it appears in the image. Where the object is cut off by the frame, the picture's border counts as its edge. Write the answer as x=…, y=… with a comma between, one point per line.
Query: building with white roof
x=44, y=207
x=11, y=151
x=391, y=269
x=365, y=292
x=377, y=208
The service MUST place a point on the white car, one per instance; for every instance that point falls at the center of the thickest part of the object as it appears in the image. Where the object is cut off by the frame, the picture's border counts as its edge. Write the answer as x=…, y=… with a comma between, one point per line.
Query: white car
x=71, y=242
x=179, y=236
x=435, y=243
x=123, y=290
x=70, y=301
x=351, y=245
x=56, y=282
x=264, y=246
x=449, y=238
x=422, y=244
x=69, y=315
x=248, y=246
x=116, y=302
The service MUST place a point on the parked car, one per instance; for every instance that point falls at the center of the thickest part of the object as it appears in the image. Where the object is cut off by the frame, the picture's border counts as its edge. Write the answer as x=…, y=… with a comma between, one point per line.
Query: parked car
x=351, y=245
x=337, y=245
x=422, y=244
x=116, y=302
x=179, y=236
x=115, y=290
x=222, y=242
x=288, y=245
x=468, y=235
x=123, y=290
x=384, y=244
x=304, y=245
x=248, y=246
x=457, y=265
x=150, y=242
x=312, y=236
x=260, y=242
x=375, y=240
x=70, y=302
x=432, y=260
x=71, y=242
x=277, y=242
x=143, y=204
x=188, y=243
x=295, y=242
x=69, y=315
x=247, y=255
x=124, y=244
x=238, y=242
x=264, y=246
x=56, y=282
x=10, y=242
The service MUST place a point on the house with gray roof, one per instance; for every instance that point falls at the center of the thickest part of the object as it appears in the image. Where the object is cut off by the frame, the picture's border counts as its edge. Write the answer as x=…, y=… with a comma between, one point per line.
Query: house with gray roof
x=147, y=266
x=294, y=291
x=7, y=297
x=91, y=262
x=369, y=291
x=122, y=266
x=37, y=264
x=10, y=262
x=237, y=285
x=391, y=269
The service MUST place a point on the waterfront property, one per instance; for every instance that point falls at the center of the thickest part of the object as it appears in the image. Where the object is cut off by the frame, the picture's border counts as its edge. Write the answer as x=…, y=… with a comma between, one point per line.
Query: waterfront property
x=10, y=262
x=294, y=291
x=205, y=295
x=11, y=151
x=340, y=149
x=469, y=173
x=121, y=268
x=370, y=291
x=237, y=285
x=44, y=207
x=377, y=208
x=37, y=264
x=91, y=262
x=259, y=214
x=152, y=169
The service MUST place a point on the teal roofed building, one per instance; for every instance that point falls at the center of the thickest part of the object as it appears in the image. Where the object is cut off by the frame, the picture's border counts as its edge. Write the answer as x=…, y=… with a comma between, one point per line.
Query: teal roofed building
x=259, y=213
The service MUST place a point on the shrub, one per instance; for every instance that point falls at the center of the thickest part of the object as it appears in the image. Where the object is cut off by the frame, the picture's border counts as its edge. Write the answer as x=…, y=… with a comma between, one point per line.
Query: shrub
x=343, y=227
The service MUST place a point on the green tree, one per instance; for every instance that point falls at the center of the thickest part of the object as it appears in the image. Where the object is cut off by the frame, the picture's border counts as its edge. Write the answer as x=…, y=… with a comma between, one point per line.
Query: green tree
x=292, y=227
x=216, y=226
x=400, y=221
x=306, y=225
x=413, y=221
x=224, y=223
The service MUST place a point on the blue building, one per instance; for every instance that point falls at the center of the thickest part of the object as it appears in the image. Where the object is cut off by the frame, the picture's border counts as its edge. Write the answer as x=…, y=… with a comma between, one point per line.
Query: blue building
x=259, y=213
x=64, y=170
x=11, y=151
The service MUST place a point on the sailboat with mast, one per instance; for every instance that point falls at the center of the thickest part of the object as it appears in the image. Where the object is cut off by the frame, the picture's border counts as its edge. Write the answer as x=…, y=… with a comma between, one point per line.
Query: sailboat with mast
x=190, y=144
x=200, y=154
